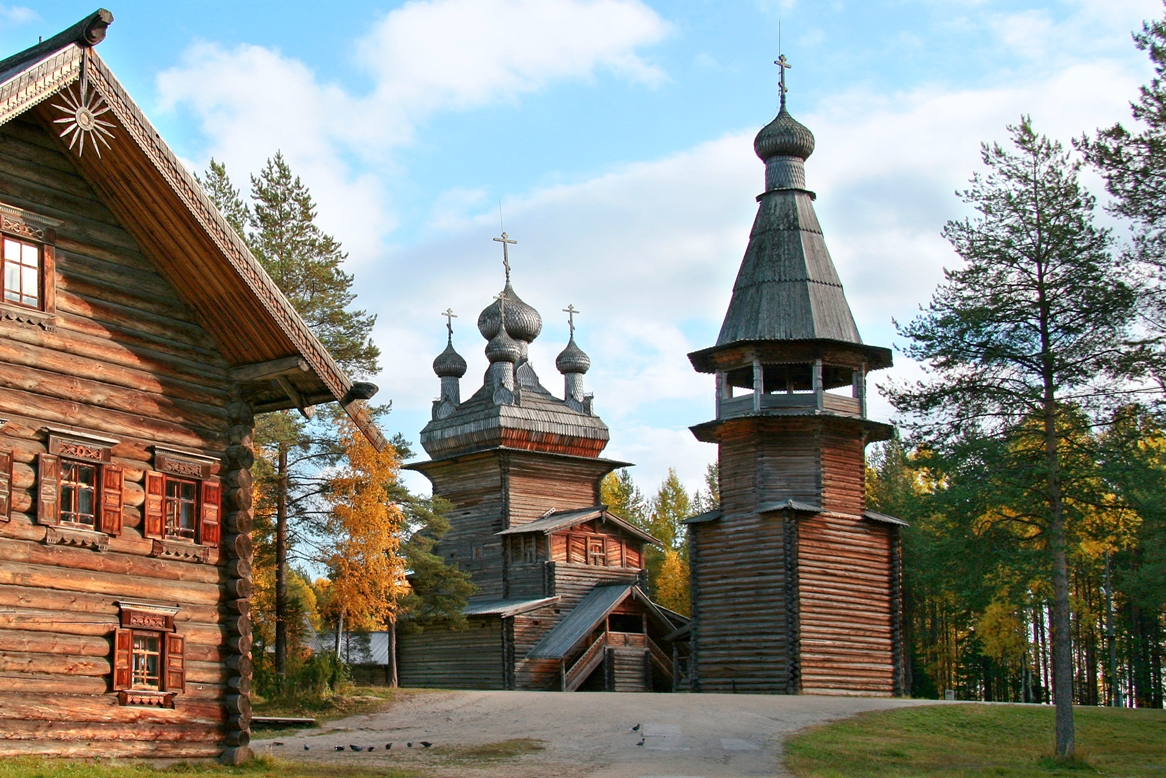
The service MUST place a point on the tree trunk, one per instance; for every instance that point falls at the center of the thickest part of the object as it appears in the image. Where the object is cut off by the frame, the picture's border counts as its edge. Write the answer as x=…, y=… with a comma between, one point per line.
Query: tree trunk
x=1114, y=683
x=391, y=668
x=1062, y=634
x=281, y=484
x=339, y=631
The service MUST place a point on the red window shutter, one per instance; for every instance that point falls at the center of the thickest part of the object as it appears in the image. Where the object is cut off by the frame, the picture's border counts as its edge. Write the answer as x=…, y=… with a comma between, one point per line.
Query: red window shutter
x=174, y=679
x=5, y=484
x=152, y=516
x=209, y=526
x=123, y=659
x=111, y=485
x=48, y=502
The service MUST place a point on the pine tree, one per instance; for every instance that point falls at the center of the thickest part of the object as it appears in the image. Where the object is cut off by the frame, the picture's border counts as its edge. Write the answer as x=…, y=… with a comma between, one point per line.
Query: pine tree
x=623, y=498
x=1030, y=329
x=670, y=506
x=218, y=187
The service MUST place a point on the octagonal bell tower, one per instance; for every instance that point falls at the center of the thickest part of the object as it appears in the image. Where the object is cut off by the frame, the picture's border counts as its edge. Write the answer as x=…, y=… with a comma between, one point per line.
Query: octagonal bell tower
x=795, y=583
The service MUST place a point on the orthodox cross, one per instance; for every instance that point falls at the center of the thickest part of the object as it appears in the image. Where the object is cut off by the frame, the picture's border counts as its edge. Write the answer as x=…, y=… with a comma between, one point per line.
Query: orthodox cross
x=783, y=65
x=570, y=311
x=449, y=317
x=506, y=241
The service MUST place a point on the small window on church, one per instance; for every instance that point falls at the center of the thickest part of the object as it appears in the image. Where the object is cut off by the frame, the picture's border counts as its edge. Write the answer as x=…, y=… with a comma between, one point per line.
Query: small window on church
x=78, y=494
x=181, y=508
x=22, y=272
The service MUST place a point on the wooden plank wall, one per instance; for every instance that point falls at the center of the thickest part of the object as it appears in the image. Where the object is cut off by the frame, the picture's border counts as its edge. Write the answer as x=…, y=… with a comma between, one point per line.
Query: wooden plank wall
x=739, y=605
x=449, y=659
x=629, y=669
x=537, y=484
x=127, y=360
x=844, y=584
x=529, y=629
x=476, y=487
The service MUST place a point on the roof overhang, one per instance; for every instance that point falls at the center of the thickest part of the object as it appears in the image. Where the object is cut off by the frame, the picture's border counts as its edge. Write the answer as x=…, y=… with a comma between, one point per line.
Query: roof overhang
x=872, y=431
x=274, y=358
x=775, y=352
x=561, y=520
x=883, y=518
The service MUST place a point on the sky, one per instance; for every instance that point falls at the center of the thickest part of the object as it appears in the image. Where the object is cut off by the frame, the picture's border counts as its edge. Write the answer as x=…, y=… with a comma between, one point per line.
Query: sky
x=616, y=137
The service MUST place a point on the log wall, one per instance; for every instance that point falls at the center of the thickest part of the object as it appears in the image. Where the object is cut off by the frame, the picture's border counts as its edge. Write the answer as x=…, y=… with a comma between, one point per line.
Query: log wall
x=123, y=358
x=454, y=659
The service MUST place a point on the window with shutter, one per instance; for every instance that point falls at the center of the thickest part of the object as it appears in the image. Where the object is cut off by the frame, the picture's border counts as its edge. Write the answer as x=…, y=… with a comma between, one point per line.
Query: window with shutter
x=111, y=499
x=123, y=658
x=48, y=508
x=152, y=510
x=175, y=675
x=209, y=527
x=5, y=484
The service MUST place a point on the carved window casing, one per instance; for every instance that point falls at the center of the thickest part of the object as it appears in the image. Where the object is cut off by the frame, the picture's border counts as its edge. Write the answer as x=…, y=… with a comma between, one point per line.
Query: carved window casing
x=149, y=657
x=79, y=487
x=27, y=267
x=183, y=500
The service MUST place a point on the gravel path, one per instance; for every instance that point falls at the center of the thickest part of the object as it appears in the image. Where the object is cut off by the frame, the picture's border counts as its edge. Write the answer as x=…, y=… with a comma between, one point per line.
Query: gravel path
x=582, y=734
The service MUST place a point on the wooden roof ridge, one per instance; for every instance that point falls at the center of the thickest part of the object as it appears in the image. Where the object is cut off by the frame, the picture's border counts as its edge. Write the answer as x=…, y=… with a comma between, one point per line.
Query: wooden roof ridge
x=569, y=518
x=36, y=74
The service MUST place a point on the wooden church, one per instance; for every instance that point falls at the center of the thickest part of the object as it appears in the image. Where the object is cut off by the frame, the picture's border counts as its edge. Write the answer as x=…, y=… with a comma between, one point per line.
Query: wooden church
x=561, y=602
x=795, y=585
x=138, y=339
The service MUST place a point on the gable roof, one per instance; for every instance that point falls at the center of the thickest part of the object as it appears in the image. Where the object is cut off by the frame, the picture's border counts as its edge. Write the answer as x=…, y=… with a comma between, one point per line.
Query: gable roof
x=587, y=615
x=275, y=358
x=564, y=519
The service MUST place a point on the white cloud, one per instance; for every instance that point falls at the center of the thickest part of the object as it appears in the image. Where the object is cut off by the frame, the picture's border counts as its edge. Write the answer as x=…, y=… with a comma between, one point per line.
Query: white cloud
x=17, y=14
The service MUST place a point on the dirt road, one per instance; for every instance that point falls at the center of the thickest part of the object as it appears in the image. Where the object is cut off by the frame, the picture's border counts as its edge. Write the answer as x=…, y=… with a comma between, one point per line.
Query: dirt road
x=534, y=734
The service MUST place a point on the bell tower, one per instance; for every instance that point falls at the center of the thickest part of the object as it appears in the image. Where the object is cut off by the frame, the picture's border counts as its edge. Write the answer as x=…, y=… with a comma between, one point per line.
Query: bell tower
x=795, y=583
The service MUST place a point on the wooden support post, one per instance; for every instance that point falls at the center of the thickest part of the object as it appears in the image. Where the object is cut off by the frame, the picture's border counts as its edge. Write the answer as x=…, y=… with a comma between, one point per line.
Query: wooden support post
x=818, y=387
x=758, y=384
x=722, y=391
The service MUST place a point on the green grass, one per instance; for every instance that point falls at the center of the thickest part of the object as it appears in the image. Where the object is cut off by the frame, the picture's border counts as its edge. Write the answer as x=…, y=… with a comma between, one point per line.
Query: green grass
x=954, y=741
x=260, y=767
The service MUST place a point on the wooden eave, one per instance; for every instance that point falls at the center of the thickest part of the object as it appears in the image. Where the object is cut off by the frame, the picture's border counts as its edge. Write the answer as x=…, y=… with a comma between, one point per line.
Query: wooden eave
x=565, y=520
x=774, y=352
x=163, y=207
x=430, y=464
x=872, y=431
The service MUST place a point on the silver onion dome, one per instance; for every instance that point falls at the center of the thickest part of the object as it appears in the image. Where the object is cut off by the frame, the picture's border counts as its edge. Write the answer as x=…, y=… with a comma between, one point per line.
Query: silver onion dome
x=785, y=136
x=573, y=359
x=522, y=321
x=449, y=363
x=502, y=347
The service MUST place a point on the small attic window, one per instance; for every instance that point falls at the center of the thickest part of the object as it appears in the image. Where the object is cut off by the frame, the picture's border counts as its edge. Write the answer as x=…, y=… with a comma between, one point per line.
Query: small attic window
x=27, y=262
x=22, y=271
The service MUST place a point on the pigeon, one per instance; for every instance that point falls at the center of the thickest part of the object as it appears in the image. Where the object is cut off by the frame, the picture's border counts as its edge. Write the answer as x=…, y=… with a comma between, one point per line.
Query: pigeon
x=426, y=743
x=279, y=742
x=337, y=748
x=307, y=747
x=641, y=742
x=636, y=728
x=388, y=746
x=354, y=748
x=409, y=744
x=370, y=748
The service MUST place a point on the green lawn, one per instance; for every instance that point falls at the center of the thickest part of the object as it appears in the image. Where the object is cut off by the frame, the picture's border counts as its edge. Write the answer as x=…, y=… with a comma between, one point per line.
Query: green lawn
x=261, y=767
x=954, y=741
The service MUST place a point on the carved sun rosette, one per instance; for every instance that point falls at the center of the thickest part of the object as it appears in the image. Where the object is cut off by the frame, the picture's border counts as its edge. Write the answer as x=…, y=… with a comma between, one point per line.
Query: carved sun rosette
x=82, y=119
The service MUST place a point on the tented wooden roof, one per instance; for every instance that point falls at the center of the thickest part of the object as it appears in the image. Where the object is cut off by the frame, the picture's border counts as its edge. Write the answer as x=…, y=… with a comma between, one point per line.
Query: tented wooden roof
x=276, y=359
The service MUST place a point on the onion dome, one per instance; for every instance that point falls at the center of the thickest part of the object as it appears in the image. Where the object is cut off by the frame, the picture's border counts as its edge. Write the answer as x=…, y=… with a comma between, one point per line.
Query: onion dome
x=449, y=363
x=785, y=136
x=502, y=347
x=573, y=359
x=522, y=321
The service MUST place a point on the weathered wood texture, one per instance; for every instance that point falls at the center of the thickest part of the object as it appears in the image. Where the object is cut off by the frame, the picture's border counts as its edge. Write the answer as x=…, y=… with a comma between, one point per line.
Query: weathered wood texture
x=124, y=358
x=454, y=659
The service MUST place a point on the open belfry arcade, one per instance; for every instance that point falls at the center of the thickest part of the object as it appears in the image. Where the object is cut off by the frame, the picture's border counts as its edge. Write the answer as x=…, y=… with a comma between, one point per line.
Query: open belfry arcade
x=140, y=338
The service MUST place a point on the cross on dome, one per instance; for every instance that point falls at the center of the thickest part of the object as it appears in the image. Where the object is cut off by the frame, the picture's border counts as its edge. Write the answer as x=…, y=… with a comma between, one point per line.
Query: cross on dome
x=449, y=317
x=570, y=311
x=782, y=65
x=506, y=241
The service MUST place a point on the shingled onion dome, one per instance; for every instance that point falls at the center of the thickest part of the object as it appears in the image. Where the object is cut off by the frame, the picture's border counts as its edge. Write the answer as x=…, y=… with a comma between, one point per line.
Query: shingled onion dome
x=523, y=323
x=572, y=359
x=502, y=347
x=449, y=363
x=784, y=145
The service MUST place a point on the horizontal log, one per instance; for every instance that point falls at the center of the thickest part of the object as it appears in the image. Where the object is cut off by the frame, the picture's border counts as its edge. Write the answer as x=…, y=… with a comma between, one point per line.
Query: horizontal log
x=58, y=665
x=129, y=749
x=40, y=602
x=105, y=733
x=62, y=707
x=122, y=564
x=37, y=682
x=53, y=643
x=113, y=584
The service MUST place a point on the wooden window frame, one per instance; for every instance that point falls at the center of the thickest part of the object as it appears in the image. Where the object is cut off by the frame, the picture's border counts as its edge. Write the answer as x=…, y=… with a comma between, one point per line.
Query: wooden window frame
x=108, y=482
x=181, y=467
x=71, y=483
x=39, y=231
x=148, y=622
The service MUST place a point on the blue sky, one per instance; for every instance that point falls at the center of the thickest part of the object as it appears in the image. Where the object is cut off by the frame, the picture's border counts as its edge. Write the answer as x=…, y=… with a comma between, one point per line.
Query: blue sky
x=617, y=135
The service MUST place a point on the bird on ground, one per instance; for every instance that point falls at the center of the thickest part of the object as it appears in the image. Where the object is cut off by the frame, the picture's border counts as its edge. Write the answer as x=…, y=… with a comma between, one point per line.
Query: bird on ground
x=388, y=746
x=279, y=742
x=426, y=743
x=307, y=747
x=355, y=748
x=410, y=745
x=641, y=742
x=636, y=728
x=337, y=748
x=370, y=748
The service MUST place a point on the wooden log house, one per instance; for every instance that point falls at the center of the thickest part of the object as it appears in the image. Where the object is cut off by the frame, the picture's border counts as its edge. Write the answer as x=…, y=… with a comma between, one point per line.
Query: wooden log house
x=561, y=602
x=795, y=585
x=138, y=338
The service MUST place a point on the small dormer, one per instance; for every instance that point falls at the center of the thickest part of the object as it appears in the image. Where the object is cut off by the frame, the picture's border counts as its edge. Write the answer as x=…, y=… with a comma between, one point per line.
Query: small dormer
x=591, y=537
